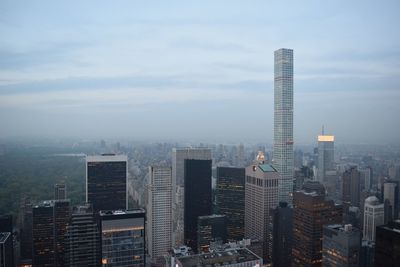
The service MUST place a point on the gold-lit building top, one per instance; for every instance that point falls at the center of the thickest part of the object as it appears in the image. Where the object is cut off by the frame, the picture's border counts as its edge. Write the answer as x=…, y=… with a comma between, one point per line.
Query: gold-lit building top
x=326, y=138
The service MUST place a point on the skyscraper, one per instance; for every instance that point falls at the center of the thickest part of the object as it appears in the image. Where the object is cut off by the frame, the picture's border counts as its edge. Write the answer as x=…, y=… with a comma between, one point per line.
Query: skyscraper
x=341, y=246
x=283, y=122
x=325, y=155
x=106, y=182
x=6, y=249
x=198, y=199
x=387, y=249
x=123, y=238
x=159, y=212
x=373, y=217
x=282, y=235
x=351, y=187
x=178, y=173
x=230, y=199
x=310, y=212
x=390, y=198
x=261, y=196
x=83, y=238
x=60, y=191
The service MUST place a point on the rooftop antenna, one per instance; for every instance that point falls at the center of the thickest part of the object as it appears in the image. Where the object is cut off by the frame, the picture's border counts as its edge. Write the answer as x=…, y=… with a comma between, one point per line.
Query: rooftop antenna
x=323, y=131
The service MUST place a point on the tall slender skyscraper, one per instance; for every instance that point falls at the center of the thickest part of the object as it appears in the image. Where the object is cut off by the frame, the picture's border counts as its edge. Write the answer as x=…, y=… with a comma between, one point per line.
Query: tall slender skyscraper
x=159, y=212
x=283, y=122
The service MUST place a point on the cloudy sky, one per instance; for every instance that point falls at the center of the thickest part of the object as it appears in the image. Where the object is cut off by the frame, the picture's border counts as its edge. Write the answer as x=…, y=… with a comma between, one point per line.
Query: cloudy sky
x=200, y=70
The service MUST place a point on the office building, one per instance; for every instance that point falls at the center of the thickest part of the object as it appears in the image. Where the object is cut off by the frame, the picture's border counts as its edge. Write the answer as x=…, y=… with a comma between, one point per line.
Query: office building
x=210, y=228
x=25, y=230
x=310, y=212
x=6, y=249
x=283, y=122
x=261, y=195
x=341, y=246
x=60, y=191
x=373, y=217
x=178, y=173
x=83, y=238
x=106, y=182
x=198, y=198
x=49, y=226
x=387, y=245
x=391, y=200
x=351, y=187
x=366, y=178
x=159, y=212
x=326, y=161
x=367, y=253
x=123, y=238
x=282, y=235
x=6, y=226
x=241, y=257
x=230, y=199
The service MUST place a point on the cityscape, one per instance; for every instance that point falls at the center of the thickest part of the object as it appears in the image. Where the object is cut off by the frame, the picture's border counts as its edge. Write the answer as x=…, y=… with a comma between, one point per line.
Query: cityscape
x=213, y=155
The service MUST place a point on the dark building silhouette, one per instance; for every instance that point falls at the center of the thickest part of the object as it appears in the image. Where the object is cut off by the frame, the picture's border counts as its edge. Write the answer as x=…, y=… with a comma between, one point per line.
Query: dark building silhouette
x=25, y=231
x=198, y=199
x=83, y=238
x=60, y=191
x=367, y=253
x=50, y=219
x=230, y=196
x=310, y=212
x=351, y=187
x=210, y=228
x=106, y=182
x=6, y=249
x=6, y=226
x=387, y=245
x=123, y=238
x=282, y=235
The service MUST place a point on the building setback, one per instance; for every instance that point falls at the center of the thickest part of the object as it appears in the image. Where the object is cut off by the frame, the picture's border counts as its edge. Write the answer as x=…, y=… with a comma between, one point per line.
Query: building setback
x=198, y=199
x=310, y=212
x=106, y=182
x=341, y=246
x=230, y=199
x=283, y=122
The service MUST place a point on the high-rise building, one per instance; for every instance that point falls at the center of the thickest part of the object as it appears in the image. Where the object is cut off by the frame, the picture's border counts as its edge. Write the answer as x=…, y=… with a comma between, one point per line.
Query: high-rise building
x=198, y=197
x=261, y=196
x=310, y=212
x=159, y=212
x=6, y=249
x=60, y=191
x=351, y=187
x=282, y=235
x=210, y=228
x=83, y=238
x=106, y=182
x=391, y=200
x=325, y=156
x=123, y=238
x=387, y=246
x=178, y=173
x=230, y=199
x=373, y=217
x=25, y=231
x=283, y=122
x=367, y=253
x=366, y=178
x=6, y=226
x=50, y=220
x=341, y=246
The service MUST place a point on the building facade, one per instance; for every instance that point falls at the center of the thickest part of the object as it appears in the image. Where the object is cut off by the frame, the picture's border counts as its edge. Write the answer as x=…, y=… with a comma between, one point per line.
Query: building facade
x=159, y=212
x=261, y=195
x=60, y=191
x=6, y=249
x=283, y=157
x=198, y=197
x=210, y=228
x=310, y=212
x=230, y=199
x=351, y=187
x=341, y=246
x=106, y=182
x=387, y=245
x=282, y=235
x=123, y=238
x=373, y=217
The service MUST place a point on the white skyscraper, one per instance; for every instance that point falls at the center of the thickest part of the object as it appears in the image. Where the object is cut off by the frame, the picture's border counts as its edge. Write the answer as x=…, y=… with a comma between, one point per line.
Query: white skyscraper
x=373, y=217
x=283, y=121
x=178, y=172
x=159, y=212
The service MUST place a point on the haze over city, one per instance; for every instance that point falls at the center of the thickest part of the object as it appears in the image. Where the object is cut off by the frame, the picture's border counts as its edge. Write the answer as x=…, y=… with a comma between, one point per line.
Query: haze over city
x=198, y=70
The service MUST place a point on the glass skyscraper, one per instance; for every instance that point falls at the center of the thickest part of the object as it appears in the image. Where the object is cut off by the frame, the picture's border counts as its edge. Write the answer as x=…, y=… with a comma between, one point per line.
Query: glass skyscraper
x=283, y=121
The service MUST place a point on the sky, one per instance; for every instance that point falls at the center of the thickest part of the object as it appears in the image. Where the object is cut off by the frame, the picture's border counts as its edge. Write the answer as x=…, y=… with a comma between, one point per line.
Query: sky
x=198, y=70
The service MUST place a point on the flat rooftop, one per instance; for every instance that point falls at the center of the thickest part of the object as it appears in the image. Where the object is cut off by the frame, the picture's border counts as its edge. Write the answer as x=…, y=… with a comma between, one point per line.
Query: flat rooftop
x=232, y=256
x=106, y=158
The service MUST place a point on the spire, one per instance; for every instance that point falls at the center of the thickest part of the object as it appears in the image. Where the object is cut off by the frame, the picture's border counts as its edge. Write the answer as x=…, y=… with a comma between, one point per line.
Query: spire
x=323, y=130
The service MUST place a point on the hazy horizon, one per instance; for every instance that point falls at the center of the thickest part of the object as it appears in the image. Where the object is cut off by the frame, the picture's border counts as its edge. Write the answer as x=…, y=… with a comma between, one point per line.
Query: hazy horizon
x=199, y=70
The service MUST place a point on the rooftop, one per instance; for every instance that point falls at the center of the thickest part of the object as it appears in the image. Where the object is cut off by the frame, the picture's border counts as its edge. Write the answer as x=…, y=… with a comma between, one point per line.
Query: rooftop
x=106, y=158
x=267, y=168
x=232, y=256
